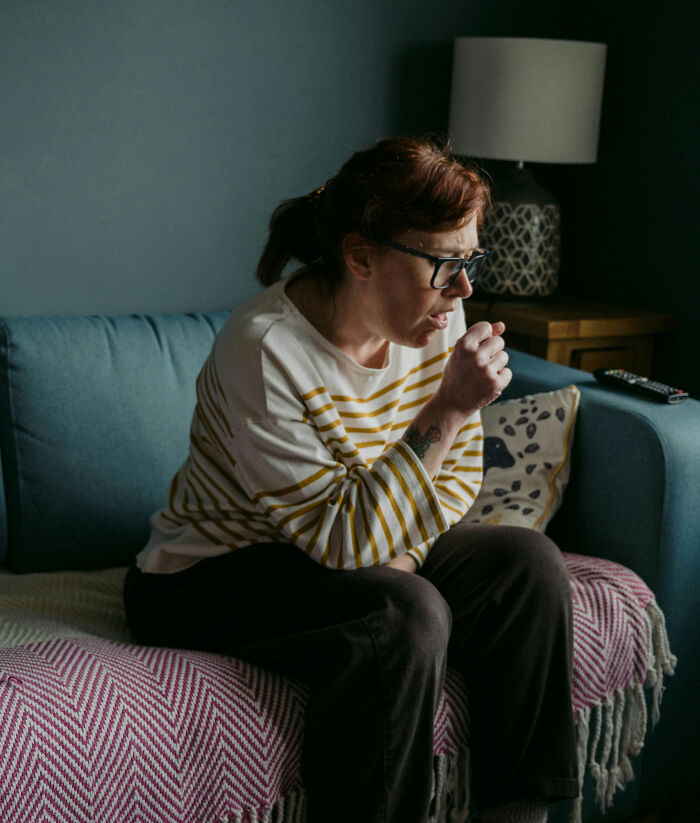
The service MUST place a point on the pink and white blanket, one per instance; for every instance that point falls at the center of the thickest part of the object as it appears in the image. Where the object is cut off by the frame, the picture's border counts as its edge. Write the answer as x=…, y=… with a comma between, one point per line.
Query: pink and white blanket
x=96, y=730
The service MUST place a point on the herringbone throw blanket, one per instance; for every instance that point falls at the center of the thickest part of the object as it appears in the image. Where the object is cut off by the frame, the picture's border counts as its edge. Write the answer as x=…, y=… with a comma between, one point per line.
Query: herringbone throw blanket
x=96, y=730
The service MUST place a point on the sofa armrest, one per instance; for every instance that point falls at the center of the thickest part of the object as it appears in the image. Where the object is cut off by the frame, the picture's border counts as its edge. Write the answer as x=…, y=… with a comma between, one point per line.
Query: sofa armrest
x=633, y=498
x=635, y=476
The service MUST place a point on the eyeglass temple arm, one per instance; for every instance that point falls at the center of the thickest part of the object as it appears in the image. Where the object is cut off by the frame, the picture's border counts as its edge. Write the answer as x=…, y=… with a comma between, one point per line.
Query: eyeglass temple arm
x=476, y=255
x=409, y=250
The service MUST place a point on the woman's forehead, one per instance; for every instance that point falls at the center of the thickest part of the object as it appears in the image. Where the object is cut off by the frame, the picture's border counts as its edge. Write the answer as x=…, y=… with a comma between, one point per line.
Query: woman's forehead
x=448, y=240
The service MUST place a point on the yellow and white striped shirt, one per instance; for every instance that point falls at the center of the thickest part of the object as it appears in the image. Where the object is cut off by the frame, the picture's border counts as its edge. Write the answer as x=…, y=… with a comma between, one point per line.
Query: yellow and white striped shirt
x=293, y=441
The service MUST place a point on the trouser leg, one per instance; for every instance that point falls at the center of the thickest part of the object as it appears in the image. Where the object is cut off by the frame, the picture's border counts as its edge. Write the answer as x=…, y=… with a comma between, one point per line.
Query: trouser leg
x=510, y=598
x=370, y=644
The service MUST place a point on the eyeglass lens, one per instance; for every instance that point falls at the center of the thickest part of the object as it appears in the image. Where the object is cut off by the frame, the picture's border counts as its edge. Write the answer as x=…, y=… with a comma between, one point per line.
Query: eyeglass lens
x=449, y=270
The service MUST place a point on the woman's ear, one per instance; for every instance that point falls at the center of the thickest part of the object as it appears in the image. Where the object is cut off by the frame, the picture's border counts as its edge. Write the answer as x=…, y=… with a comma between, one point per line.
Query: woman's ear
x=358, y=253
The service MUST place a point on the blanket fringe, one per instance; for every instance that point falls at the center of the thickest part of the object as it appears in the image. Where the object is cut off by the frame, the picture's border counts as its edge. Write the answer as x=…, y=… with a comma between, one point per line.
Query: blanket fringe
x=611, y=731
x=289, y=809
x=449, y=797
x=661, y=661
x=450, y=789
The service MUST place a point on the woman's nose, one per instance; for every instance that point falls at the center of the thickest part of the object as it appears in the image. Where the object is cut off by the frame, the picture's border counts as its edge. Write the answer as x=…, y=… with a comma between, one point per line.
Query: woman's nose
x=461, y=286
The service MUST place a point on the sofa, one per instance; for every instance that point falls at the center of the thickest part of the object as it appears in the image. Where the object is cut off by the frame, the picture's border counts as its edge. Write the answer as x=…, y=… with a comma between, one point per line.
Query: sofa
x=94, y=418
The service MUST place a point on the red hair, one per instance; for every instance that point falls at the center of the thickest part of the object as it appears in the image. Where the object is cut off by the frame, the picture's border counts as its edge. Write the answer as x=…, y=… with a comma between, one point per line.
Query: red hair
x=401, y=183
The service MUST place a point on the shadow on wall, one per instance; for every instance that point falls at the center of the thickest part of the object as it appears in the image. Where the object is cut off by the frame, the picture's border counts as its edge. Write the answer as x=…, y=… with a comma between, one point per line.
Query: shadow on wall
x=422, y=83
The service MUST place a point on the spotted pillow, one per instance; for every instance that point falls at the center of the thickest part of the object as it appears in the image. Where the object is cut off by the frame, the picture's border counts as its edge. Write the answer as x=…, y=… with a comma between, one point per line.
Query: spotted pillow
x=527, y=450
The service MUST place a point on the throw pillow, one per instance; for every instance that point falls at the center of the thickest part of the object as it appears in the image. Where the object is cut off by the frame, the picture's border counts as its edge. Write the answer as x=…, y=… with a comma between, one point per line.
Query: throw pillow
x=527, y=451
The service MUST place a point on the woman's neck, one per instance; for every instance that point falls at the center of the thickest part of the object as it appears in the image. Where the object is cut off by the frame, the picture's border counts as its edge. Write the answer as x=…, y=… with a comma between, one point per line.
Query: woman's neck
x=337, y=314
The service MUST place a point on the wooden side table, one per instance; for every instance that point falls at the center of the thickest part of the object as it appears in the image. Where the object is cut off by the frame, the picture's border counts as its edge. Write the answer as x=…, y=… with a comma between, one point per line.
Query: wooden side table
x=577, y=333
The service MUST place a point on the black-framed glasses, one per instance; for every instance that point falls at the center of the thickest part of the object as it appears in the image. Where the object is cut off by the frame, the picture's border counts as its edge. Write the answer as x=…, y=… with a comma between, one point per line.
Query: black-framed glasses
x=447, y=269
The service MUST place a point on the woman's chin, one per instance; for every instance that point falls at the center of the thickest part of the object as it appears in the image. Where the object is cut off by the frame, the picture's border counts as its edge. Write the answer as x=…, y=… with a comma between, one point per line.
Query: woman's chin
x=422, y=339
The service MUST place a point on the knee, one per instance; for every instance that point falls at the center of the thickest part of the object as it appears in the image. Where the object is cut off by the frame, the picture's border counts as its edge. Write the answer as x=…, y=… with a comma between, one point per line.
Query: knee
x=548, y=565
x=544, y=571
x=417, y=617
x=537, y=564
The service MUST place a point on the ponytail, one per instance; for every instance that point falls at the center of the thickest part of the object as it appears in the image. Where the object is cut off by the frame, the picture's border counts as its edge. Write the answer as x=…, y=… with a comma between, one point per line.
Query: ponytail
x=293, y=235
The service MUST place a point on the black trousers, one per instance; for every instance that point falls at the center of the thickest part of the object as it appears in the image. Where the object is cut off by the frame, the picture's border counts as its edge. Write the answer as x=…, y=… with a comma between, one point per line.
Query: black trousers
x=372, y=646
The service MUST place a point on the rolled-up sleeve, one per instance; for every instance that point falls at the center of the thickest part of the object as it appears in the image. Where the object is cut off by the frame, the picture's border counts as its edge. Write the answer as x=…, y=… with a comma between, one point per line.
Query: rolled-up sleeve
x=343, y=515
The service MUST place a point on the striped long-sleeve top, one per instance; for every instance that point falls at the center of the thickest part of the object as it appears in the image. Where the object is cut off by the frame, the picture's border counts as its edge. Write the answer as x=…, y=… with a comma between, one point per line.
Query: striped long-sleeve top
x=293, y=441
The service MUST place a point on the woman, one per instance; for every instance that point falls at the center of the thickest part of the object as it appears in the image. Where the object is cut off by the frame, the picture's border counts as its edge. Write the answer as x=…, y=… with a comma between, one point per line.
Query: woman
x=316, y=529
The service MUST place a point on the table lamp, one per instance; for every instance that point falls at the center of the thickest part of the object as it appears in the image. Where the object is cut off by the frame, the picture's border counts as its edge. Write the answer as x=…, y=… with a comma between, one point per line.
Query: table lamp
x=525, y=100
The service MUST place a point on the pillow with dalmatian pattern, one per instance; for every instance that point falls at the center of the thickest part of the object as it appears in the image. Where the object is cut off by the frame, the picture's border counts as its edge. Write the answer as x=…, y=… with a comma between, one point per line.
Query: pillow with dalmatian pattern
x=527, y=451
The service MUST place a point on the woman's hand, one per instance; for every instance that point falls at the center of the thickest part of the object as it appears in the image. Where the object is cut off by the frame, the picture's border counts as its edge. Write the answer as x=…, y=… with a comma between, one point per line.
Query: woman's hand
x=476, y=372
x=474, y=376
x=404, y=562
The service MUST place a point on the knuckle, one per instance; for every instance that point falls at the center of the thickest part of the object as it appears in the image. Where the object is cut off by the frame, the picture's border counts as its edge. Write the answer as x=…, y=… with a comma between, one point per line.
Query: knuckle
x=481, y=330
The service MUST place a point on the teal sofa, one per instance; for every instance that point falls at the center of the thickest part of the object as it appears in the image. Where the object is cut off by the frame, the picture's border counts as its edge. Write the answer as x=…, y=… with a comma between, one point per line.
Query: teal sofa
x=94, y=419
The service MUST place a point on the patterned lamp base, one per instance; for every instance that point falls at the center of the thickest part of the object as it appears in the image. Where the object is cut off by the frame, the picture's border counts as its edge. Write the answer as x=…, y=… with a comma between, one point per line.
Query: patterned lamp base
x=524, y=243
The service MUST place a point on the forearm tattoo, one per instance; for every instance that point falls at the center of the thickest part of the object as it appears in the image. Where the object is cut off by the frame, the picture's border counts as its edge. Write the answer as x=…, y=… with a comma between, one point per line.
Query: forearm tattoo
x=420, y=443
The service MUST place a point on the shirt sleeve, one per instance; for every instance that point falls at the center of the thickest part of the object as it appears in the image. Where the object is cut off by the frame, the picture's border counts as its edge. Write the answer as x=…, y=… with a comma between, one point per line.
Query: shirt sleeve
x=460, y=477
x=343, y=513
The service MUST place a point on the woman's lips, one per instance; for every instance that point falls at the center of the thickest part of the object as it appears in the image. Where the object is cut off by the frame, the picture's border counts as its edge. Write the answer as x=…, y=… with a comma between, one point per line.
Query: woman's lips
x=439, y=319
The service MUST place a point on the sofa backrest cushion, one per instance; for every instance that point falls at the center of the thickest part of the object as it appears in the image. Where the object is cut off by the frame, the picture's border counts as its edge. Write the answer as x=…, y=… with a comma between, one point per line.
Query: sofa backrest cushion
x=94, y=422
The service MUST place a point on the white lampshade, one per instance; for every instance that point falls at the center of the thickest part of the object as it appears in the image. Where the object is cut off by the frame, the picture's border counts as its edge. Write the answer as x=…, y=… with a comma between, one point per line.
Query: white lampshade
x=527, y=99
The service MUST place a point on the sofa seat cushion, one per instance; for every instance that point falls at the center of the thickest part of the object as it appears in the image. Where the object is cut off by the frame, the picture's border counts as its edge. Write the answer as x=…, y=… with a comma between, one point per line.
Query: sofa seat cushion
x=182, y=736
x=187, y=736
x=56, y=605
x=102, y=731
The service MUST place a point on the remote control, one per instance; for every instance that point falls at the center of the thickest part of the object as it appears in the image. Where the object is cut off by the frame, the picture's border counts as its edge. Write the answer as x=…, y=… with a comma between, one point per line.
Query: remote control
x=621, y=379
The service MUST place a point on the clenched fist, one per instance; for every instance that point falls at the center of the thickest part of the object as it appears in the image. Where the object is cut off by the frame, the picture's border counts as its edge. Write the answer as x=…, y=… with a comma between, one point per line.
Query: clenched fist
x=476, y=372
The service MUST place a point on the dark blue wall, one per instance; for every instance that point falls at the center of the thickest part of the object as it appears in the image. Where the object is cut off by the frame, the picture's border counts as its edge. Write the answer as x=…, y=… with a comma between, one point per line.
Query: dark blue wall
x=144, y=143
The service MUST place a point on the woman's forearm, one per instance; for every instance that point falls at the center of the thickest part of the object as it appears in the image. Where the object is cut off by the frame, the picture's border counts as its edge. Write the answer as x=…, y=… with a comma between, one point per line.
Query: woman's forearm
x=431, y=435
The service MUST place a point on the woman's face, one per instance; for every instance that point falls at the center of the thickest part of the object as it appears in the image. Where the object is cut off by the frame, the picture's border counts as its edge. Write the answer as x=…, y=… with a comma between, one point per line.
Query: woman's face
x=402, y=306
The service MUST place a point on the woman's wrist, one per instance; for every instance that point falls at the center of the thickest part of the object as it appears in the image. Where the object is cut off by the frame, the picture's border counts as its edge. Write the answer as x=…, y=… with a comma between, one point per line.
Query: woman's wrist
x=445, y=416
x=431, y=435
x=404, y=563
